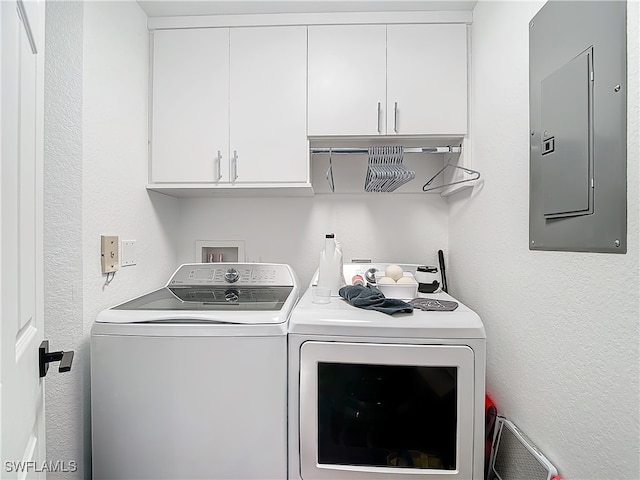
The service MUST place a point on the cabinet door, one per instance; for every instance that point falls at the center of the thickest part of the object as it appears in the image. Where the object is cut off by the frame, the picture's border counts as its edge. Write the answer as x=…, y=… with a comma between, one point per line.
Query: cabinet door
x=190, y=105
x=268, y=104
x=347, y=80
x=427, y=79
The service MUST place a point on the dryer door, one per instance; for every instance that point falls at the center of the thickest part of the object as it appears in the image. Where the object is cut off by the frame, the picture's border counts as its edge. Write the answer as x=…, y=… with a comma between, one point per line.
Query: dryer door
x=386, y=411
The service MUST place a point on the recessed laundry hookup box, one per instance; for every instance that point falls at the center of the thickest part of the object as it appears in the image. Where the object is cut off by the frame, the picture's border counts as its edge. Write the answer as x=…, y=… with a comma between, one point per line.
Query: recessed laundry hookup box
x=210, y=251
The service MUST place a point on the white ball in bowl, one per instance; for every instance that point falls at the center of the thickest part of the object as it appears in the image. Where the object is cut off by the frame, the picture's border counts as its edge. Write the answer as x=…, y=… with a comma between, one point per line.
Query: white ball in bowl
x=394, y=271
x=386, y=281
x=407, y=280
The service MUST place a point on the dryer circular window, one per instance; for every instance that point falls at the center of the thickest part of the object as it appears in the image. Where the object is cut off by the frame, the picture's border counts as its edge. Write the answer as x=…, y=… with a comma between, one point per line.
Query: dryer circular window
x=379, y=396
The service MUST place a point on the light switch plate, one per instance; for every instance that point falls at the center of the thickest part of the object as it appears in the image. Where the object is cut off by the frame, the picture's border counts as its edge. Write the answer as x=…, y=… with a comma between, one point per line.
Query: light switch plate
x=109, y=253
x=128, y=254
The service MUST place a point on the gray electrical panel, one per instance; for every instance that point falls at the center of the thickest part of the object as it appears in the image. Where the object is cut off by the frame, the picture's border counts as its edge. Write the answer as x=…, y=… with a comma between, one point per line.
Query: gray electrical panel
x=577, y=94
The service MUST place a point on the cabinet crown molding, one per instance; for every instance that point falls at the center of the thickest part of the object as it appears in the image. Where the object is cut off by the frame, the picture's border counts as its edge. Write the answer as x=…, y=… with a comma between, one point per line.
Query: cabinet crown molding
x=287, y=19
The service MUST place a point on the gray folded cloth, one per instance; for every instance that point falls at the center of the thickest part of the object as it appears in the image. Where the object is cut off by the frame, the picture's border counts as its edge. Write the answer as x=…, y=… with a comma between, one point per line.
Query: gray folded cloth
x=373, y=299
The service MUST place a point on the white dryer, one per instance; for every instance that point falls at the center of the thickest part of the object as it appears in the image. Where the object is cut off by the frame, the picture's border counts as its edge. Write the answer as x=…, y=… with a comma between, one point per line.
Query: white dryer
x=379, y=396
x=190, y=381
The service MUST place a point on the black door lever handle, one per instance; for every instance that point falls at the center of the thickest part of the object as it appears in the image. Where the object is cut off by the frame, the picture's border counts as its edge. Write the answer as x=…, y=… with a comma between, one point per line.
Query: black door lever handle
x=46, y=357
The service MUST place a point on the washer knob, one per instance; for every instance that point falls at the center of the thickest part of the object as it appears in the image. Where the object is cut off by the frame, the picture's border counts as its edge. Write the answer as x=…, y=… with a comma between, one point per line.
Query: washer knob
x=232, y=295
x=231, y=275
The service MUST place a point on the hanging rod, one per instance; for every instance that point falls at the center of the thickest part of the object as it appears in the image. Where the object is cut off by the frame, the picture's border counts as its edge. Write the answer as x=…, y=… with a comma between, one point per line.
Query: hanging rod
x=447, y=149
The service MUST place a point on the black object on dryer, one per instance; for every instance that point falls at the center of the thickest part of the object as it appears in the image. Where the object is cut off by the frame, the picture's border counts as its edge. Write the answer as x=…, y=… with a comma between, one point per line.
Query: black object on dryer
x=442, y=272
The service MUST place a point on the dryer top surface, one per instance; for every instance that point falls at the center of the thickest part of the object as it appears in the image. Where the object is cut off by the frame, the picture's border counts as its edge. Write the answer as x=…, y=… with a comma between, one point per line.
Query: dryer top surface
x=340, y=318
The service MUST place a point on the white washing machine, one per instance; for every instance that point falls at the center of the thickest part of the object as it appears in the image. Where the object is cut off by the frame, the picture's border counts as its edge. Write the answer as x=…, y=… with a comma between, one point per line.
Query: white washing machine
x=190, y=381
x=379, y=396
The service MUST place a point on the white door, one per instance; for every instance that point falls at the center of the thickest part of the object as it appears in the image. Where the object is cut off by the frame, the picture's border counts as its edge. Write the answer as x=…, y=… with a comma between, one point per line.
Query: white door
x=347, y=79
x=190, y=124
x=427, y=79
x=21, y=305
x=268, y=92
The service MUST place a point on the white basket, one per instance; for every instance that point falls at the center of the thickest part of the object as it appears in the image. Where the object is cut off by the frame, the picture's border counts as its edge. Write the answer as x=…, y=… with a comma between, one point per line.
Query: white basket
x=401, y=291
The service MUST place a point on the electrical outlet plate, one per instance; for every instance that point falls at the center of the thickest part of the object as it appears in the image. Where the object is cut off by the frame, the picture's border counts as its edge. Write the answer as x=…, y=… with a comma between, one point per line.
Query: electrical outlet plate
x=109, y=254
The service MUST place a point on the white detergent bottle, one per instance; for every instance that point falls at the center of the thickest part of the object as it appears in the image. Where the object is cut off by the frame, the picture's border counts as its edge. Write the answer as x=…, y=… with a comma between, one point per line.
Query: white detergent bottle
x=330, y=274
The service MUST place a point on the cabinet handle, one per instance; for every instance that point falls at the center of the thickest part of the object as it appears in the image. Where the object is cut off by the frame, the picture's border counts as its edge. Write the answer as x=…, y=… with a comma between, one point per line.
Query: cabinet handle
x=218, y=167
x=234, y=166
x=378, y=119
x=395, y=117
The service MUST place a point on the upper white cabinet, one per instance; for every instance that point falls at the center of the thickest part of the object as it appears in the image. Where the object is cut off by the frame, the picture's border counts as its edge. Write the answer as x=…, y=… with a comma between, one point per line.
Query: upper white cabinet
x=347, y=79
x=190, y=119
x=267, y=104
x=427, y=79
x=387, y=80
x=229, y=106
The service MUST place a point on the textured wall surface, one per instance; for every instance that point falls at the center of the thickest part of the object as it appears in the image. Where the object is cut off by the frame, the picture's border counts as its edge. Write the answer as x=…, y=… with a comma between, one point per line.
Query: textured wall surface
x=562, y=328
x=63, y=229
x=96, y=169
x=114, y=200
x=400, y=228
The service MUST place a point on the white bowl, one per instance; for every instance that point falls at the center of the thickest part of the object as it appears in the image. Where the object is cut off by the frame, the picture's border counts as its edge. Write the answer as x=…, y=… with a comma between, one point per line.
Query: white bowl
x=401, y=291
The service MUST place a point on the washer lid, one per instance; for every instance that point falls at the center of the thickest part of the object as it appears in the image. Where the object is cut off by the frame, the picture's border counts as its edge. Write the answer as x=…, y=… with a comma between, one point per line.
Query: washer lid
x=222, y=294
x=209, y=298
x=220, y=305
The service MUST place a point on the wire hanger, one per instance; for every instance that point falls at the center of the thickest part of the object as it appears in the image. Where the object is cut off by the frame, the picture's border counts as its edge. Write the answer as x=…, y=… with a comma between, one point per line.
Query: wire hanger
x=476, y=175
x=329, y=174
x=386, y=170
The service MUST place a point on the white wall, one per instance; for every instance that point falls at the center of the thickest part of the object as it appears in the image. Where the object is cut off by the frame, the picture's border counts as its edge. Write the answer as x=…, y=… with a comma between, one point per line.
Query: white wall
x=64, y=326
x=96, y=172
x=562, y=328
x=406, y=228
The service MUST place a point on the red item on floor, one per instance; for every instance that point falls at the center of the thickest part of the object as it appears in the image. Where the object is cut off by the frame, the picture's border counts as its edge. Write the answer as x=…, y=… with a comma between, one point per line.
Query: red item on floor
x=491, y=412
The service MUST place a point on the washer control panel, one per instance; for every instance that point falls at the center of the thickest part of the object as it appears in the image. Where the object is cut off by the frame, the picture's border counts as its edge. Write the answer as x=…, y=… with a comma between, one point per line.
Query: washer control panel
x=232, y=273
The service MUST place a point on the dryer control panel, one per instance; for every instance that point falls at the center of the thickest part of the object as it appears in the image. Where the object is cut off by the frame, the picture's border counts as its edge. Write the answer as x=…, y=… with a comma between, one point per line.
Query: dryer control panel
x=240, y=274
